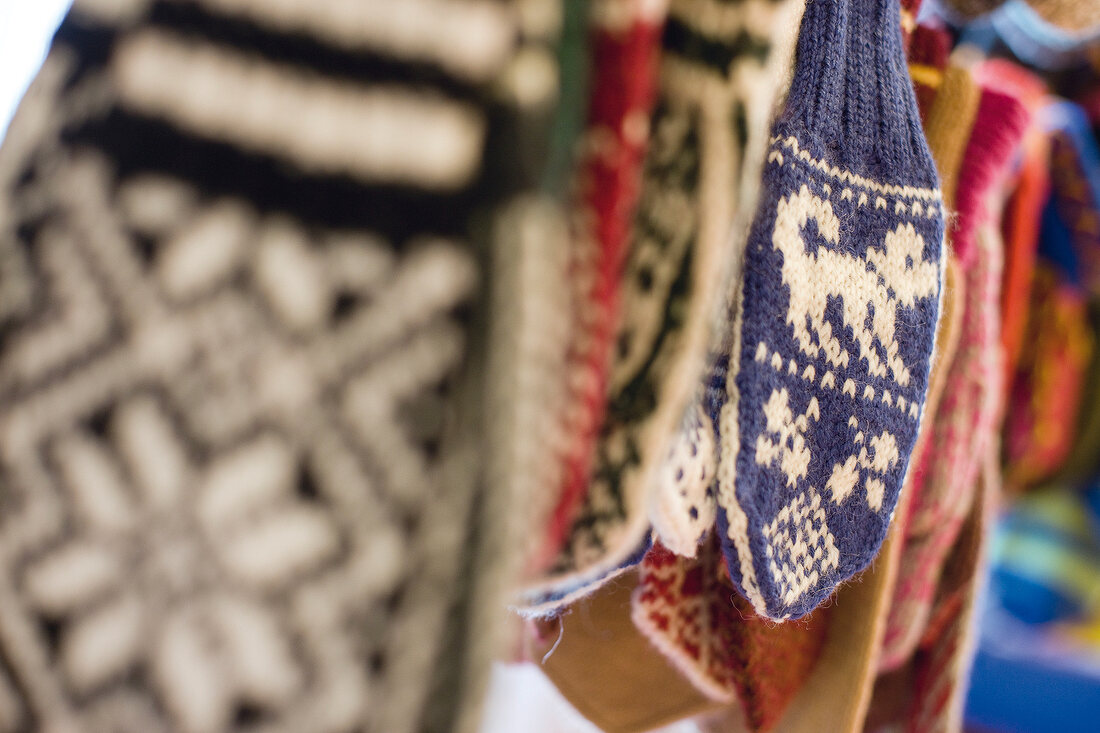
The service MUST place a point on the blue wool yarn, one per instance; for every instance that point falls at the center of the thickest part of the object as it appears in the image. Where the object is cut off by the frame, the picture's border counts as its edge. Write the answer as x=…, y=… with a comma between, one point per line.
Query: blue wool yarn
x=835, y=319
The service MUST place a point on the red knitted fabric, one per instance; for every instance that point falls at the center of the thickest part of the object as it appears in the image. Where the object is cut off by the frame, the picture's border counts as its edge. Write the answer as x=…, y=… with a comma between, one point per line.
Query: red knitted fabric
x=947, y=649
x=625, y=52
x=690, y=611
x=930, y=45
x=928, y=49
x=909, y=11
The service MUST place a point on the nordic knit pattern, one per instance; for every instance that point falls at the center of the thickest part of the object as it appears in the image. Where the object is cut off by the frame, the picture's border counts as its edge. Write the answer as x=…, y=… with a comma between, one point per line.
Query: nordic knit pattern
x=713, y=78
x=239, y=450
x=683, y=505
x=836, y=317
x=688, y=609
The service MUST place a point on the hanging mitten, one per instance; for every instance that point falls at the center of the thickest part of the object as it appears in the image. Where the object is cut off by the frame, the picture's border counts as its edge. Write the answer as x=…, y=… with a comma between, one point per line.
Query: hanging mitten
x=682, y=504
x=836, y=317
x=623, y=50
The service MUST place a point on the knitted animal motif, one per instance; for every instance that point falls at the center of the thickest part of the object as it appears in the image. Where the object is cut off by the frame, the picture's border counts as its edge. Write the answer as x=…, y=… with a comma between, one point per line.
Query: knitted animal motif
x=835, y=318
x=898, y=275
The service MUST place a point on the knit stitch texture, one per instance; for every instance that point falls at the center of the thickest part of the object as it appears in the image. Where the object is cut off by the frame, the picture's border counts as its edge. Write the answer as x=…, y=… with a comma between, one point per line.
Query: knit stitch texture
x=961, y=431
x=683, y=505
x=837, y=317
x=623, y=48
x=688, y=610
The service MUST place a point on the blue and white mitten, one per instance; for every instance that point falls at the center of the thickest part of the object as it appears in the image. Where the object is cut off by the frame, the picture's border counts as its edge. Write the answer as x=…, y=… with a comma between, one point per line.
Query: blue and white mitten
x=835, y=319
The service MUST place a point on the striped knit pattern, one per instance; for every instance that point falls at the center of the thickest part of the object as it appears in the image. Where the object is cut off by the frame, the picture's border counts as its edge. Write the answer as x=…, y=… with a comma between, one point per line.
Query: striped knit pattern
x=713, y=78
x=835, y=318
x=239, y=441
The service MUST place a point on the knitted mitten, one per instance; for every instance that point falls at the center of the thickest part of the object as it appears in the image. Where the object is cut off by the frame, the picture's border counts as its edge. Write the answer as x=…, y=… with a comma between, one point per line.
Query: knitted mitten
x=683, y=505
x=837, y=317
x=687, y=608
x=714, y=81
x=242, y=313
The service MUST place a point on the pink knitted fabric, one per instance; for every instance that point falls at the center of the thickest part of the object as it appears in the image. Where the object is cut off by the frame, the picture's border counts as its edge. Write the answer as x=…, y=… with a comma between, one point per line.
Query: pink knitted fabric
x=944, y=477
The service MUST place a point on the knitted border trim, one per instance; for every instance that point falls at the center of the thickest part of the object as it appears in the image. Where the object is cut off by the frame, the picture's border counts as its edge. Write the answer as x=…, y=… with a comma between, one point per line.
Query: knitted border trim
x=547, y=602
x=729, y=431
x=688, y=609
x=790, y=142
